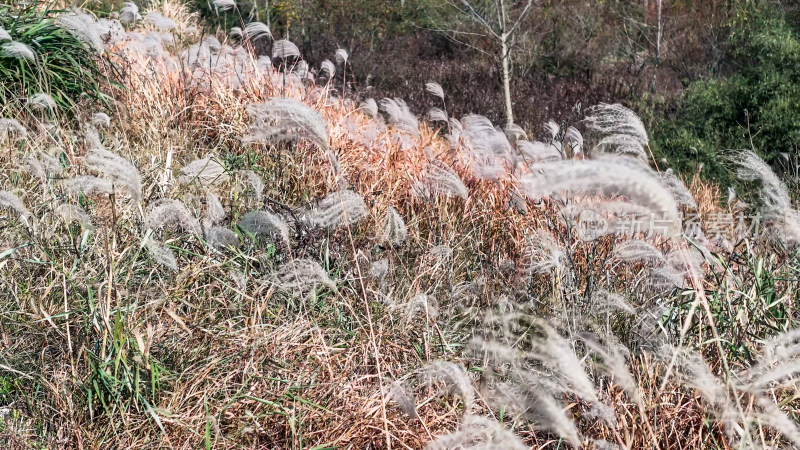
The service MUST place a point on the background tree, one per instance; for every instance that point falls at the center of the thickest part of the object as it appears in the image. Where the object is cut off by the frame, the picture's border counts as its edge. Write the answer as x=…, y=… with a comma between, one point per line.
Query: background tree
x=500, y=21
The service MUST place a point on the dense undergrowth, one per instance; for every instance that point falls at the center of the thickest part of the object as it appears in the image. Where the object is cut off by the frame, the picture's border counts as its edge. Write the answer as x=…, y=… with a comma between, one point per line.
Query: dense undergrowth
x=230, y=256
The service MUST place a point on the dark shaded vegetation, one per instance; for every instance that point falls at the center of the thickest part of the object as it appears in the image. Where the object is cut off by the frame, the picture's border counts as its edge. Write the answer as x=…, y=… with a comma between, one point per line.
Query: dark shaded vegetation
x=699, y=72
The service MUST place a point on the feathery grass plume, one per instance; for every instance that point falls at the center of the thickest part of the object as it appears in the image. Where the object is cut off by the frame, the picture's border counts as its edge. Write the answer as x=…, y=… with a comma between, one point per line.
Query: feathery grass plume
x=74, y=213
x=224, y=5
x=17, y=50
x=265, y=224
x=341, y=56
x=678, y=189
x=514, y=132
x=537, y=152
x=556, y=351
x=170, y=213
x=82, y=26
x=614, y=362
x=301, y=70
x=215, y=213
x=769, y=414
x=328, y=68
x=257, y=30
x=478, y=433
x=206, y=171
x=117, y=169
x=455, y=379
x=283, y=49
x=420, y=305
x=160, y=253
x=88, y=185
x=286, y=119
x=4, y=36
x=479, y=134
x=693, y=371
x=236, y=34
x=553, y=129
x=395, y=232
x=101, y=119
x=616, y=119
x=638, y=250
x=301, y=278
x=379, y=269
x=440, y=179
x=608, y=176
x=605, y=301
x=404, y=399
x=437, y=115
x=9, y=200
x=160, y=22
x=255, y=182
x=42, y=165
x=543, y=252
x=575, y=139
x=399, y=116
x=622, y=144
x=42, y=101
x=776, y=205
x=370, y=107
x=220, y=237
x=435, y=89
x=130, y=13
x=12, y=126
x=338, y=209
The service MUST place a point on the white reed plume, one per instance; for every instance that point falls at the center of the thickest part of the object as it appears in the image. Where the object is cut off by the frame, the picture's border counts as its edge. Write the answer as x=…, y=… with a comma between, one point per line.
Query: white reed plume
x=4, y=36
x=553, y=129
x=12, y=126
x=435, y=89
x=286, y=119
x=42, y=165
x=130, y=13
x=8, y=200
x=543, y=252
x=257, y=30
x=82, y=26
x=284, y=49
x=224, y=5
x=455, y=379
x=172, y=213
x=101, y=119
x=437, y=115
x=341, y=56
x=394, y=232
x=328, y=68
x=608, y=176
x=338, y=209
x=117, y=170
x=161, y=253
x=399, y=116
x=478, y=433
x=205, y=171
x=678, y=189
x=538, y=152
x=215, y=212
x=440, y=179
x=220, y=237
x=17, y=50
x=514, y=132
x=255, y=182
x=265, y=224
x=616, y=119
x=74, y=213
x=370, y=107
x=161, y=22
x=404, y=399
x=42, y=101
x=301, y=278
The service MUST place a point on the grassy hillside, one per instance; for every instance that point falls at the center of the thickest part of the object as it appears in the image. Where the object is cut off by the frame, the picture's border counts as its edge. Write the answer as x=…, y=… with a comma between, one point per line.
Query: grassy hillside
x=233, y=255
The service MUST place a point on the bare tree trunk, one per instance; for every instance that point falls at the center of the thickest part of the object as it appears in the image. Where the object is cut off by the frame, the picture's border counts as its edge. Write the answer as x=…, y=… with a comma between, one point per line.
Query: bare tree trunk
x=506, y=67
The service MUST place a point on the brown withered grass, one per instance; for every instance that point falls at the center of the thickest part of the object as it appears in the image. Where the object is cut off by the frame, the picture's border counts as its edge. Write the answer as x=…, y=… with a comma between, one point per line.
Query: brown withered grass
x=107, y=351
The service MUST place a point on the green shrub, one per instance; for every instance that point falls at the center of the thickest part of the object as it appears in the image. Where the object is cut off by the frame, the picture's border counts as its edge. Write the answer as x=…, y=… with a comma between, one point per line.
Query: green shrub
x=64, y=66
x=757, y=106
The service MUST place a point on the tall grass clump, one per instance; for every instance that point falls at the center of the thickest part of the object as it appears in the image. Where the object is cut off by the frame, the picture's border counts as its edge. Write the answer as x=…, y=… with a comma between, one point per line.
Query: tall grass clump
x=53, y=51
